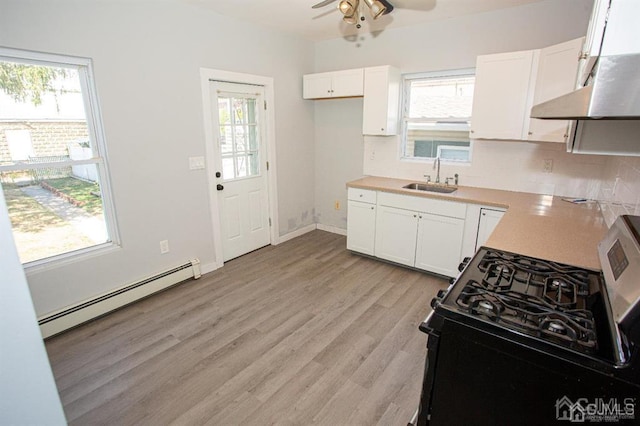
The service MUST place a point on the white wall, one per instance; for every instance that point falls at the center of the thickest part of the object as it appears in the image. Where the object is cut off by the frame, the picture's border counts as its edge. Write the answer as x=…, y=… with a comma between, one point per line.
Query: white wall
x=451, y=44
x=147, y=55
x=29, y=394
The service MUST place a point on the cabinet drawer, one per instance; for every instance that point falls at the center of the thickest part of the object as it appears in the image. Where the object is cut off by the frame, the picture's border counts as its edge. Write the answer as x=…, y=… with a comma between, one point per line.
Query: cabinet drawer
x=422, y=204
x=364, y=195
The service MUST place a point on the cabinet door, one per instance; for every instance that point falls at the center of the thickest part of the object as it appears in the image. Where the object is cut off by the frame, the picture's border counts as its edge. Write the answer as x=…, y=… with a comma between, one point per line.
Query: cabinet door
x=361, y=227
x=439, y=244
x=488, y=221
x=501, y=95
x=556, y=76
x=348, y=83
x=316, y=86
x=396, y=232
x=381, y=101
x=593, y=40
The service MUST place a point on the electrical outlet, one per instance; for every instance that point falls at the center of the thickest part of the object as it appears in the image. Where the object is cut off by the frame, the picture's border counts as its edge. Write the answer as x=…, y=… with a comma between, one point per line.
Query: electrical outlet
x=164, y=246
x=547, y=166
x=337, y=205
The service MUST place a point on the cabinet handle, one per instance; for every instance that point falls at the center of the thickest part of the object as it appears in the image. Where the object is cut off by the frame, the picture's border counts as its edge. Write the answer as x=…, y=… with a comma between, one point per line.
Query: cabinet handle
x=382, y=129
x=372, y=208
x=360, y=195
x=472, y=131
x=530, y=133
x=415, y=215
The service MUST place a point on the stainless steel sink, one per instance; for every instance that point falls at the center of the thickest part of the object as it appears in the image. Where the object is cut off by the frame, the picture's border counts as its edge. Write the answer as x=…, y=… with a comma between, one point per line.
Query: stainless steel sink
x=430, y=187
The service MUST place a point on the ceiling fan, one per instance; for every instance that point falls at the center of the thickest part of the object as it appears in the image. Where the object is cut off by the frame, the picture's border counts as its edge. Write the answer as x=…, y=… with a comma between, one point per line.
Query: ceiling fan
x=351, y=11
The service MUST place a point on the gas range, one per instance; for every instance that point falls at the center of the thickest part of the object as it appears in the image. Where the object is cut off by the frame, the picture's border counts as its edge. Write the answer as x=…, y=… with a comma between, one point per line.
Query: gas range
x=547, y=301
x=538, y=333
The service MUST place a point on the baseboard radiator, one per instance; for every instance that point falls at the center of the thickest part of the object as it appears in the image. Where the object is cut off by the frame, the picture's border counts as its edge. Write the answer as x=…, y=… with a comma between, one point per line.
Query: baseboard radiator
x=64, y=319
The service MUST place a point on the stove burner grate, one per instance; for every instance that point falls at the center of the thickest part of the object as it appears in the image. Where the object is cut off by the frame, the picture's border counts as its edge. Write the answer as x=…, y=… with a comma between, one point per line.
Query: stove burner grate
x=531, y=315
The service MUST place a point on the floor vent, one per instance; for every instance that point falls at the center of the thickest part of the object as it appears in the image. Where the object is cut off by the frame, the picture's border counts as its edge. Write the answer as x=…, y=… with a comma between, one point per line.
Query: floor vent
x=64, y=319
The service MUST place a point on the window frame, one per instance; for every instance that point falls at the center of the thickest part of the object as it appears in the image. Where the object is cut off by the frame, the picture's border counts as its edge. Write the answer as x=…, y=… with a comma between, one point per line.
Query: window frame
x=84, y=67
x=404, y=112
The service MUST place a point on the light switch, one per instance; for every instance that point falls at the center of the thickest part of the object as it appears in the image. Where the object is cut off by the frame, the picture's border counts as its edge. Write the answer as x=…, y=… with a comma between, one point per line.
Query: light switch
x=196, y=163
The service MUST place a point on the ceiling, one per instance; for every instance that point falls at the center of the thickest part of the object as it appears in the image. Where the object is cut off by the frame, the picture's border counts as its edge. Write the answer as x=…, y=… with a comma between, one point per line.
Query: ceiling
x=298, y=18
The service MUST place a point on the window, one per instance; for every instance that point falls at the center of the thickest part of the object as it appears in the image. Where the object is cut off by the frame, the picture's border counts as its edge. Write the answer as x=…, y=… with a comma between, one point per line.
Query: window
x=436, y=115
x=53, y=169
x=239, y=140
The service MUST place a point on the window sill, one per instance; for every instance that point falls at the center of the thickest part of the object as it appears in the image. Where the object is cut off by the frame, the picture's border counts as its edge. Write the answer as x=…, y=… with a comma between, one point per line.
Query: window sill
x=431, y=160
x=50, y=263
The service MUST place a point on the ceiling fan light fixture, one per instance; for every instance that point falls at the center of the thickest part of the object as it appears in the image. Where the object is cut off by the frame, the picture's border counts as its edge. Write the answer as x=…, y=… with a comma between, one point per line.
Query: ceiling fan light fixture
x=348, y=7
x=351, y=20
x=377, y=8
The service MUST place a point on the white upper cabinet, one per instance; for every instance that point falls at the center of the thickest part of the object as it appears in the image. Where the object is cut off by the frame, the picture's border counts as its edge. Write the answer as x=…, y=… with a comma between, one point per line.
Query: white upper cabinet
x=509, y=84
x=381, y=101
x=335, y=84
x=593, y=40
x=556, y=76
x=502, y=95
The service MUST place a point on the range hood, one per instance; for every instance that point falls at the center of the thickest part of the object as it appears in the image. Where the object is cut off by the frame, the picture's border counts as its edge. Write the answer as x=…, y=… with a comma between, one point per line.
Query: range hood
x=613, y=93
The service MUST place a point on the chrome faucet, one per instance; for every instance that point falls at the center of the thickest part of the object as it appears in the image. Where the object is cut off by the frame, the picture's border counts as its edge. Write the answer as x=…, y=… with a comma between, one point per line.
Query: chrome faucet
x=437, y=163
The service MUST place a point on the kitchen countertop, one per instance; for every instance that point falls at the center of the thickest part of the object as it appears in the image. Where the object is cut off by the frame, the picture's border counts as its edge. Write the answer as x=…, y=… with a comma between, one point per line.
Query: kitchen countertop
x=541, y=226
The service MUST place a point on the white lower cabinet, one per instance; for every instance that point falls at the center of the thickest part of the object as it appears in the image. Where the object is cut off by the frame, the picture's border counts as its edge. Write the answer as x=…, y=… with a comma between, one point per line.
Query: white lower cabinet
x=361, y=230
x=439, y=243
x=419, y=232
x=361, y=220
x=396, y=235
x=488, y=221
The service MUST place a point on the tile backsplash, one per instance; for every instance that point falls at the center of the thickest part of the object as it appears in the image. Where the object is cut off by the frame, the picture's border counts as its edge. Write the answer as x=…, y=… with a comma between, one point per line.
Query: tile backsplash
x=620, y=189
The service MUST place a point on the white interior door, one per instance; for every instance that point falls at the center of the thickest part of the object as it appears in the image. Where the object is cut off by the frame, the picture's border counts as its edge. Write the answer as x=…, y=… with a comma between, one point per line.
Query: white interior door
x=241, y=167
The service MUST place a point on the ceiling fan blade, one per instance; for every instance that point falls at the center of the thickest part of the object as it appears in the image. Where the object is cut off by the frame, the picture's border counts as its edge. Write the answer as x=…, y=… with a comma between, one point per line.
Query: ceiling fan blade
x=388, y=5
x=322, y=4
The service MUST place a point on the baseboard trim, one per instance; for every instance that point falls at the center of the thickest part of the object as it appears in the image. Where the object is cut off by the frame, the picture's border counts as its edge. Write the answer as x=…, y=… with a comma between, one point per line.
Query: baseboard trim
x=298, y=232
x=74, y=315
x=332, y=229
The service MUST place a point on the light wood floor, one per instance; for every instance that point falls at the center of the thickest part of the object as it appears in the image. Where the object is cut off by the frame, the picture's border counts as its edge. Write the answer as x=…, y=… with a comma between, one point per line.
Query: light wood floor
x=296, y=334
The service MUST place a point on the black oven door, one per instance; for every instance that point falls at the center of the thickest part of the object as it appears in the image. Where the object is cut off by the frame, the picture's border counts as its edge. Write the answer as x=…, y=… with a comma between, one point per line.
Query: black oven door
x=473, y=377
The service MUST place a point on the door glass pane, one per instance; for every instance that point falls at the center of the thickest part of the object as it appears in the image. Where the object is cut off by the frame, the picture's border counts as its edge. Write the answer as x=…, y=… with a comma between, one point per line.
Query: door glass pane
x=224, y=108
x=241, y=167
x=239, y=136
x=228, y=171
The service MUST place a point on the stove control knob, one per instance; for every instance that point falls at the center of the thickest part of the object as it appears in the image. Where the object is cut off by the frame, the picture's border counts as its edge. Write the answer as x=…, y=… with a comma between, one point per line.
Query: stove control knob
x=451, y=281
x=436, y=300
x=464, y=263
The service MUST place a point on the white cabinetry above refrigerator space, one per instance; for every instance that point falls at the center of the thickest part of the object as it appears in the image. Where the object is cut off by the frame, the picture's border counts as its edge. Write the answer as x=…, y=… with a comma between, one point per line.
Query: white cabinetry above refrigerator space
x=380, y=87
x=335, y=84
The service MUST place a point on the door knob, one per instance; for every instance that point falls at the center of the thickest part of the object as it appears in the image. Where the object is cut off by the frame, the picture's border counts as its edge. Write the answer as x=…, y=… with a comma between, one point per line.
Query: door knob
x=219, y=187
